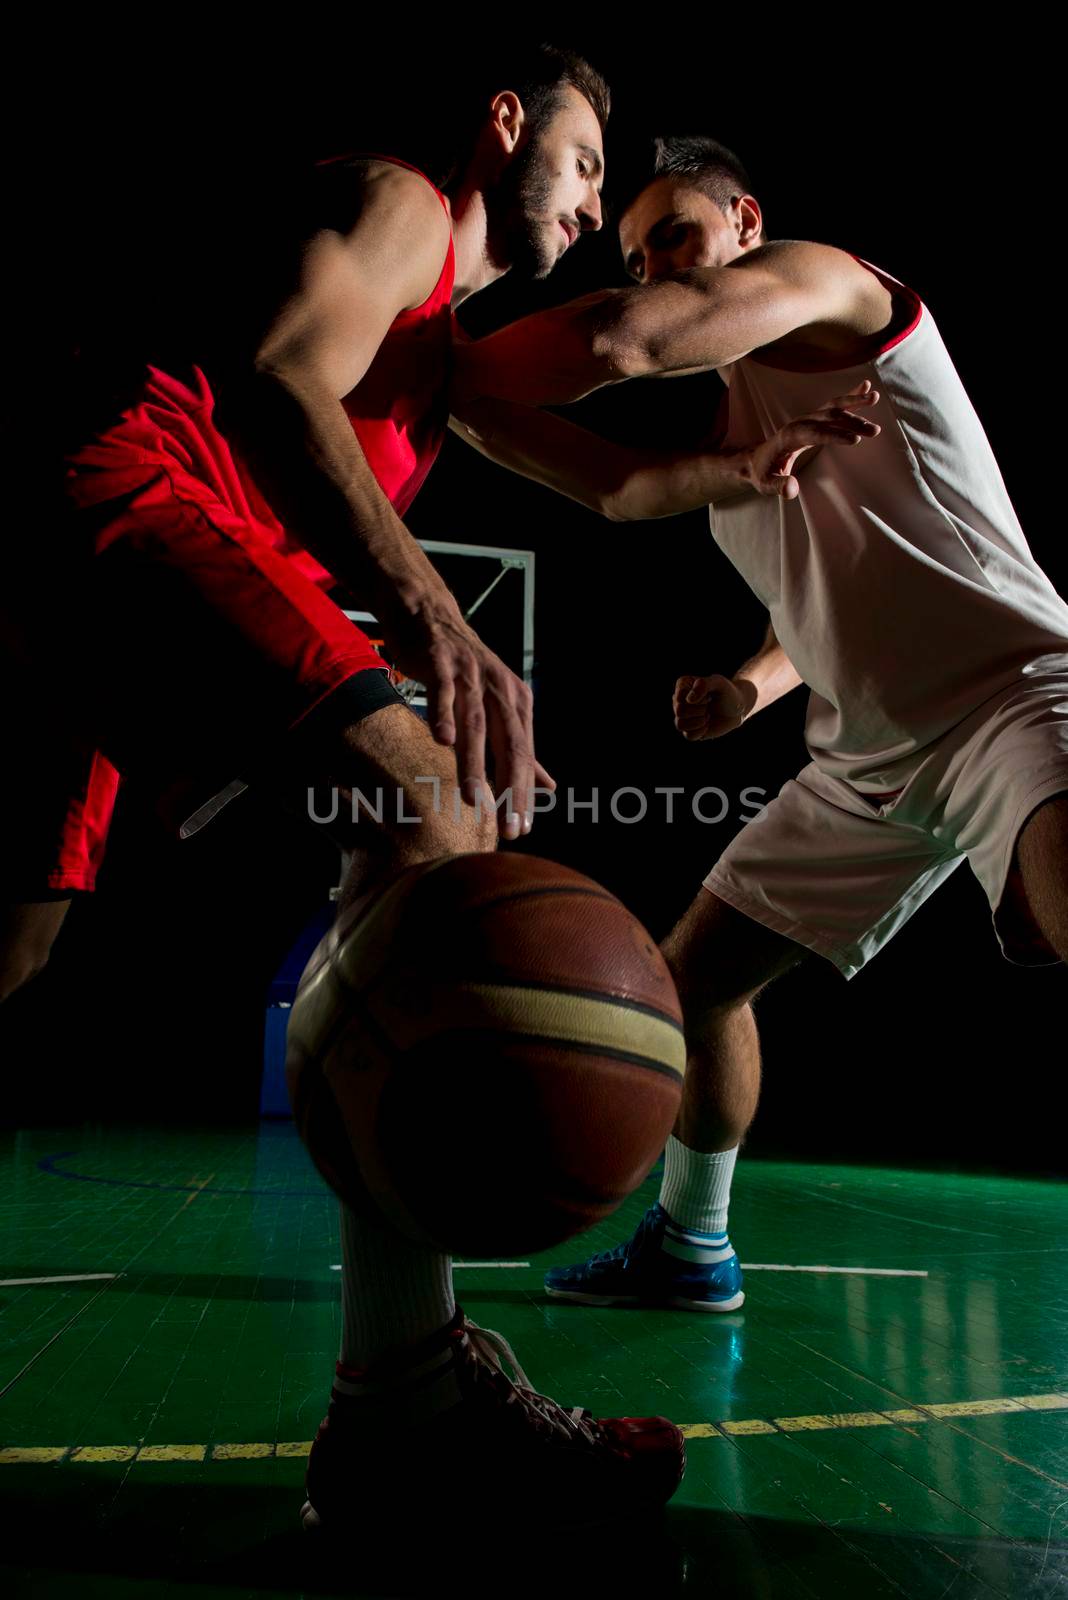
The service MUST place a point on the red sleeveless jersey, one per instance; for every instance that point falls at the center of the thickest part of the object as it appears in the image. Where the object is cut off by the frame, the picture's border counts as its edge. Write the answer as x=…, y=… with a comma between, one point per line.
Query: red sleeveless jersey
x=398, y=411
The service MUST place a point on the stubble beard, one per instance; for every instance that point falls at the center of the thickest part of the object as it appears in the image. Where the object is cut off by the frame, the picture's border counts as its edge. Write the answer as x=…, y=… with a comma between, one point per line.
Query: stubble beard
x=519, y=211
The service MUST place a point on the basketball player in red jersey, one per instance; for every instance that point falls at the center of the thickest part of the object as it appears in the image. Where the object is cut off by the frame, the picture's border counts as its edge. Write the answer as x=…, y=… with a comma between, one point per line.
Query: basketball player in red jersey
x=209, y=518
x=901, y=590
x=212, y=514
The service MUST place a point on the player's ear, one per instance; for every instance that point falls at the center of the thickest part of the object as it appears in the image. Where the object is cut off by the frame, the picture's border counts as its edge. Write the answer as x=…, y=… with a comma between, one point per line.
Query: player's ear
x=507, y=118
x=748, y=219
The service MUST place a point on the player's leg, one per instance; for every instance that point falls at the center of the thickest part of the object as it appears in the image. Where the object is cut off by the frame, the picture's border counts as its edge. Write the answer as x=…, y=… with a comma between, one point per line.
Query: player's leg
x=1002, y=794
x=419, y=1392
x=55, y=810
x=1042, y=868
x=721, y=959
x=372, y=775
x=721, y=1091
x=281, y=691
x=819, y=872
x=380, y=785
x=28, y=930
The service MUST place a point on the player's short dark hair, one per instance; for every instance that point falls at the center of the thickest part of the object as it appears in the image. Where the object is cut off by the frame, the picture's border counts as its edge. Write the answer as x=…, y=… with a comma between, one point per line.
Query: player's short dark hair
x=541, y=78
x=715, y=169
x=698, y=160
x=539, y=75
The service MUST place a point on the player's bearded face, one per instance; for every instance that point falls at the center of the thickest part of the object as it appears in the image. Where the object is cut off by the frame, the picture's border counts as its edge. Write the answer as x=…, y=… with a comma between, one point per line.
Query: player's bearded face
x=529, y=230
x=549, y=191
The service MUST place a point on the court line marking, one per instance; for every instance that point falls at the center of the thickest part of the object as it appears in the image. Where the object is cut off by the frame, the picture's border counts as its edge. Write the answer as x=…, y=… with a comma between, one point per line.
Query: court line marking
x=748, y=1266
x=66, y=1277
x=867, y=1272
x=728, y=1428
x=337, y=1266
x=198, y=1189
x=47, y=1165
x=956, y=1427
x=92, y=1300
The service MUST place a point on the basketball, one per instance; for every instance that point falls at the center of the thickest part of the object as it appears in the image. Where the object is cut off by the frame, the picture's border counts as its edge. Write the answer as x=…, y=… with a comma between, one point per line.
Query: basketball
x=491, y=1049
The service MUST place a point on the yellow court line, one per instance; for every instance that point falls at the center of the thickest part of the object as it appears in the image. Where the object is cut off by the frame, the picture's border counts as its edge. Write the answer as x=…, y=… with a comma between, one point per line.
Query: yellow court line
x=835, y=1419
x=241, y=1452
x=904, y=1417
x=32, y=1454
x=198, y=1190
x=728, y=1428
x=172, y=1452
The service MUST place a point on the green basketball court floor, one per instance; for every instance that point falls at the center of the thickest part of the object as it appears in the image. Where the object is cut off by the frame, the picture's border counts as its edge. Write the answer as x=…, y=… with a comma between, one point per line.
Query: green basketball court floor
x=900, y=1430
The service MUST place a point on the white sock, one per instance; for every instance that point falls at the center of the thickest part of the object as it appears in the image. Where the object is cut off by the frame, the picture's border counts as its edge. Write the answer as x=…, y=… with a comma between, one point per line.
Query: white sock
x=696, y=1188
x=394, y=1294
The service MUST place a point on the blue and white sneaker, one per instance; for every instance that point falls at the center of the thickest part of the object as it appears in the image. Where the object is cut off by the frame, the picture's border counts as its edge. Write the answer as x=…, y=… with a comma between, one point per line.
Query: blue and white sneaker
x=662, y=1265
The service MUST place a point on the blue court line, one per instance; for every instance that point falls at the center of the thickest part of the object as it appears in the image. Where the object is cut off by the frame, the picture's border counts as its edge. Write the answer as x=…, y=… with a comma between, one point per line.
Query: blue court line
x=48, y=1164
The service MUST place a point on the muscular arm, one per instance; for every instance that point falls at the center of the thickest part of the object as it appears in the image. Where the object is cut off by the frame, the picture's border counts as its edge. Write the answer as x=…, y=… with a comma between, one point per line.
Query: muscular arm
x=281, y=403
x=705, y=317
x=626, y=484
x=622, y=483
x=768, y=675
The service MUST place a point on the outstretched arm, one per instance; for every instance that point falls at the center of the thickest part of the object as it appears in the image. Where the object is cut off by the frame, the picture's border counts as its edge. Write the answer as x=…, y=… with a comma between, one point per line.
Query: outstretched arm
x=620, y=482
x=627, y=485
x=691, y=321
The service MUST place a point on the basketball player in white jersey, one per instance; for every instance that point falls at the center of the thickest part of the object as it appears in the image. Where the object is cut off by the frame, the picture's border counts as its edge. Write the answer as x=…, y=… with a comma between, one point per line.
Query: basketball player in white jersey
x=900, y=589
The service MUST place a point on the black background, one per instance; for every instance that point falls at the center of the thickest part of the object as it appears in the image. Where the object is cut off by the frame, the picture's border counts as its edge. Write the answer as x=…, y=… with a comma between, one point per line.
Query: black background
x=938, y=166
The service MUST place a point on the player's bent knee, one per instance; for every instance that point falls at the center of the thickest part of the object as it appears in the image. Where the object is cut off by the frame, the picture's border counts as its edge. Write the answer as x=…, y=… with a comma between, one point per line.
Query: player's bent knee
x=28, y=930
x=704, y=973
x=401, y=784
x=720, y=959
x=17, y=971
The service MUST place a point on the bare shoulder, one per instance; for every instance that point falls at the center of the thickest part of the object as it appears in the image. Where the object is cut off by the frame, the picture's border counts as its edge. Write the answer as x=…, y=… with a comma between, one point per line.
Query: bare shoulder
x=402, y=188
x=803, y=263
x=353, y=193
x=385, y=220
x=842, y=298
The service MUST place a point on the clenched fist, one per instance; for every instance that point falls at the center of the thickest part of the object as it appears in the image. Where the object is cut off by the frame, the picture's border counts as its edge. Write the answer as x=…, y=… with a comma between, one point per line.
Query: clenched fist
x=707, y=708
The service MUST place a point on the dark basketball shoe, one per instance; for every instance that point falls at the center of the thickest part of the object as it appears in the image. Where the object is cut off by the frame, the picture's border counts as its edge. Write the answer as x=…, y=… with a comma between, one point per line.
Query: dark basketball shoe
x=659, y=1265
x=447, y=1437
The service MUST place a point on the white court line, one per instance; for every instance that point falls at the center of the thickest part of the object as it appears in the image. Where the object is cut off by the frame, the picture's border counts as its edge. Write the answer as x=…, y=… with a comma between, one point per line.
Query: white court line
x=337, y=1268
x=866, y=1272
x=70, y=1277
x=747, y=1266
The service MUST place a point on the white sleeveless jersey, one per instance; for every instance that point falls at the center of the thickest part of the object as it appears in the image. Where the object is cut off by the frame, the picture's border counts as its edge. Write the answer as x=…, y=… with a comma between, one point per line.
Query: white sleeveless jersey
x=899, y=582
